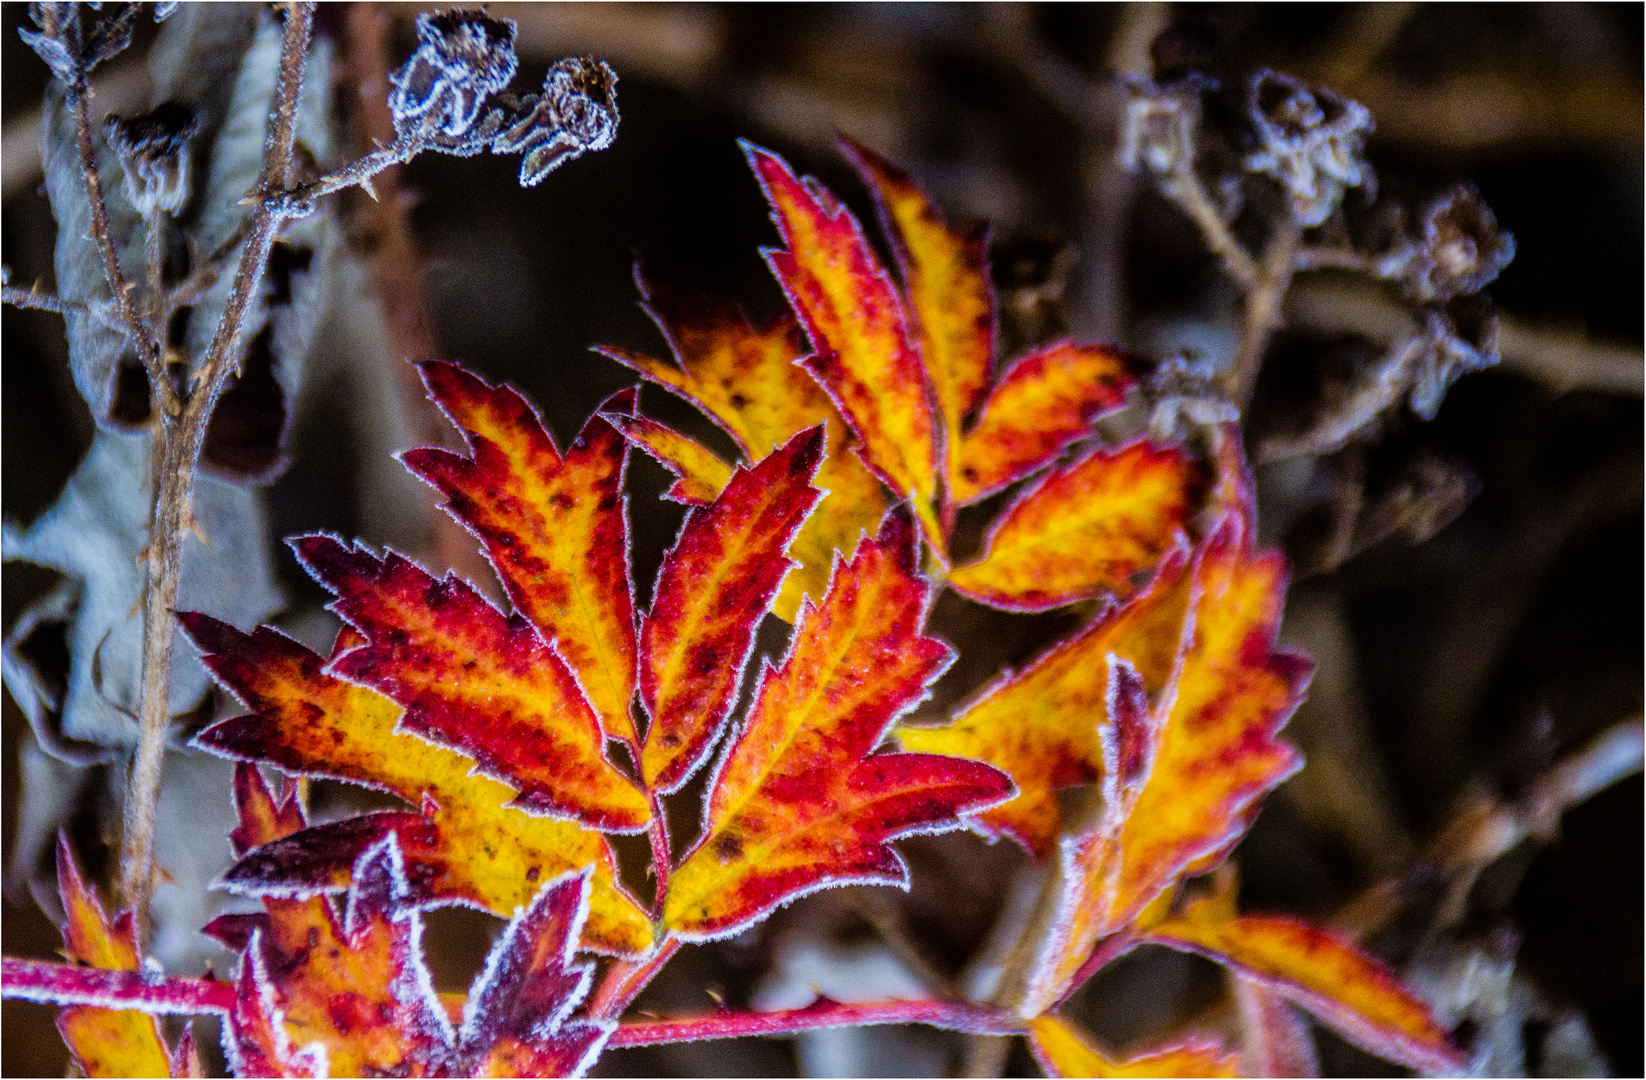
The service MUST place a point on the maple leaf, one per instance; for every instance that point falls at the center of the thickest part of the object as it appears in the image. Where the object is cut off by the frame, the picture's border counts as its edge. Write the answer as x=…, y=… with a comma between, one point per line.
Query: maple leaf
x=1353, y=993
x=1084, y=529
x=745, y=379
x=715, y=584
x=554, y=526
x=1061, y=1050
x=108, y=1042
x=799, y=801
x=486, y=684
x=1182, y=774
x=471, y=846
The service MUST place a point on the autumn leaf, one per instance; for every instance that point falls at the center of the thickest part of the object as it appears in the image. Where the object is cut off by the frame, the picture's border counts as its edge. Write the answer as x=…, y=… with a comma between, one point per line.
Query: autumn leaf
x=1353, y=993
x=1190, y=765
x=471, y=678
x=746, y=379
x=699, y=473
x=1061, y=1050
x=716, y=583
x=471, y=846
x=951, y=303
x=553, y=525
x=862, y=355
x=106, y=1042
x=1084, y=529
x=1040, y=725
x=799, y=800
x=1047, y=401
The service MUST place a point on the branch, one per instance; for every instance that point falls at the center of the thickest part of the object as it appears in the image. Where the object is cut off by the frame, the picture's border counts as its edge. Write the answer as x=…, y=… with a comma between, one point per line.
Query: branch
x=181, y=440
x=39, y=301
x=971, y=1019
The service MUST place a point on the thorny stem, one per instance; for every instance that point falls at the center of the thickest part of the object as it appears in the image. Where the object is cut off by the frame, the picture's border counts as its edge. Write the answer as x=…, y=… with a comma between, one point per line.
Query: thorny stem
x=39, y=301
x=625, y=979
x=181, y=439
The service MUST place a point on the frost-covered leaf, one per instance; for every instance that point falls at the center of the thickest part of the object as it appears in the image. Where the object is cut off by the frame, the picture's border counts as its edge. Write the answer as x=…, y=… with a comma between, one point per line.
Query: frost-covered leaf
x=799, y=800
x=1085, y=528
x=1061, y=1050
x=470, y=847
x=1189, y=765
x=951, y=303
x=715, y=584
x=1346, y=989
x=1047, y=401
x=482, y=683
x=862, y=353
x=699, y=474
x=745, y=378
x=554, y=525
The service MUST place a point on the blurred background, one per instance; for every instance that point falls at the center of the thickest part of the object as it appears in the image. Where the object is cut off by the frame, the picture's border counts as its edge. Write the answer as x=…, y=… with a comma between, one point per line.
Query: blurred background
x=1452, y=672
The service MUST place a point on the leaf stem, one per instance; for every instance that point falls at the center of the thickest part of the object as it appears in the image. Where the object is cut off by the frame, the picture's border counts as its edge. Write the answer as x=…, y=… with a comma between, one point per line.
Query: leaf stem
x=181, y=438
x=950, y=1016
x=625, y=979
x=66, y=984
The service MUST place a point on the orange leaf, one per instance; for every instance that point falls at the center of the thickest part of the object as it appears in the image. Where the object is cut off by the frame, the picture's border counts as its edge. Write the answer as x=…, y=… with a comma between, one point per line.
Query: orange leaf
x=1084, y=529
x=1061, y=1050
x=104, y=1042
x=486, y=685
x=472, y=847
x=1353, y=993
x=699, y=474
x=862, y=354
x=1047, y=401
x=951, y=301
x=746, y=380
x=1040, y=725
x=1191, y=767
x=553, y=525
x=715, y=585
x=799, y=801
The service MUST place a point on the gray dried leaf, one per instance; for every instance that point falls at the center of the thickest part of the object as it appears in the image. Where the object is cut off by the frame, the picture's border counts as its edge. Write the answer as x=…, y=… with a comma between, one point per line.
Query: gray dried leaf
x=95, y=535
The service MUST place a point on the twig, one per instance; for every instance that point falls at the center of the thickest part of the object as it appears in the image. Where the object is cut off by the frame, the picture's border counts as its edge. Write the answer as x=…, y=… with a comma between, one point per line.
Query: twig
x=181, y=438
x=1488, y=827
x=1183, y=187
x=1262, y=309
x=39, y=301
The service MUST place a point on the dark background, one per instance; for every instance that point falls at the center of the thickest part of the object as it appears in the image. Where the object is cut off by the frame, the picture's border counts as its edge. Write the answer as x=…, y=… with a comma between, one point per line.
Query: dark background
x=1511, y=636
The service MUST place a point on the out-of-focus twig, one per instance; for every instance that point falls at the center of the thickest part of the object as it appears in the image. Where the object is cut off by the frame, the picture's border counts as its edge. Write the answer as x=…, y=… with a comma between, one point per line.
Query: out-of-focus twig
x=1489, y=826
x=1564, y=361
x=122, y=86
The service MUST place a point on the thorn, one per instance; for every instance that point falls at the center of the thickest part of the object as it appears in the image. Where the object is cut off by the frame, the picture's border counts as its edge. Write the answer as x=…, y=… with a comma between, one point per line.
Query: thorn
x=365, y=185
x=716, y=996
x=193, y=526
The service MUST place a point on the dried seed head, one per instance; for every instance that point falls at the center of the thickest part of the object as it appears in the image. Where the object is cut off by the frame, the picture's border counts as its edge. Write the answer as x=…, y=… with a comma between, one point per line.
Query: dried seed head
x=1183, y=394
x=1158, y=133
x=1455, y=341
x=154, y=150
x=462, y=58
x=575, y=114
x=1461, y=250
x=71, y=45
x=1310, y=140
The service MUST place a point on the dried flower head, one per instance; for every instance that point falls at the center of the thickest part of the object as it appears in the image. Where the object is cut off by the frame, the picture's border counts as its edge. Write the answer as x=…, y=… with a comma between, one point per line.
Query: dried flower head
x=1454, y=341
x=1310, y=140
x=1184, y=394
x=575, y=114
x=154, y=150
x=71, y=45
x=462, y=58
x=1461, y=250
x=1158, y=132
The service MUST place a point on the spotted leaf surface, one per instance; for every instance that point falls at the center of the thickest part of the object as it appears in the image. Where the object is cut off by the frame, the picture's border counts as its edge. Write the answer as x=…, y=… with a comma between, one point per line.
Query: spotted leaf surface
x=862, y=354
x=1085, y=529
x=1353, y=993
x=800, y=801
x=477, y=681
x=950, y=300
x=1045, y=402
x=716, y=583
x=104, y=1042
x=471, y=846
x=1192, y=762
x=746, y=379
x=1063, y=1051
x=553, y=525
x=1040, y=725
x=699, y=474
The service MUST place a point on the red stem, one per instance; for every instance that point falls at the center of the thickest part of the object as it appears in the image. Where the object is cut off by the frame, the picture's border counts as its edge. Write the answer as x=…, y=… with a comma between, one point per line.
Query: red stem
x=63, y=984
x=951, y=1016
x=1108, y=950
x=625, y=979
